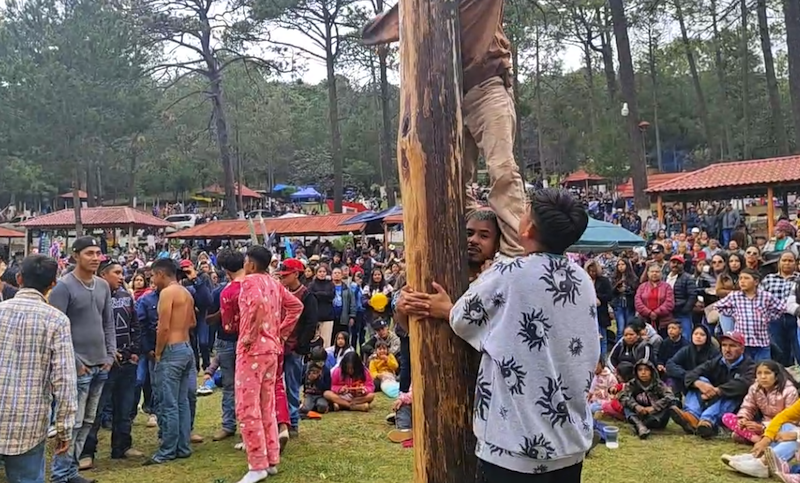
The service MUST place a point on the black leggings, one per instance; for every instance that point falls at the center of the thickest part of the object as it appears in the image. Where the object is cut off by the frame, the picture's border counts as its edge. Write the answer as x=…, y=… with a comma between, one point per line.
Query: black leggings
x=490, y=473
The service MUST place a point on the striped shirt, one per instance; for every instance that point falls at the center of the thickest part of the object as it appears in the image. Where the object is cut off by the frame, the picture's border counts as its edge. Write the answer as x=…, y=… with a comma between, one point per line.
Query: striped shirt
x=752, y=315
x=36, y=363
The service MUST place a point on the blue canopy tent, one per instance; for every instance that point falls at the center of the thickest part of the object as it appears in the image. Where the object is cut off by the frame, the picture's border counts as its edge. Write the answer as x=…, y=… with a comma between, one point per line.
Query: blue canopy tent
x=602, y=236
x=280, y=187
x=306, y=194
x=367, y=216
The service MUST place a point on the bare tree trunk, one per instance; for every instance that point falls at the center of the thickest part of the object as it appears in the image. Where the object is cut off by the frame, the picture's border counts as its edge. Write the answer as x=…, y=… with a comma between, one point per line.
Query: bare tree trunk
x=589, y=76
x=791, y=13
x=333, y=119
x=628, y=84
x=538, y=83
x=390, y=180
x=654, y=80
x=698, y=88
x=91, y=193
x=76, y=200
x=719, y=67
x=221, y=125
x=744, y=59
x=607, y=51
x=778, y=125
x=134, y=153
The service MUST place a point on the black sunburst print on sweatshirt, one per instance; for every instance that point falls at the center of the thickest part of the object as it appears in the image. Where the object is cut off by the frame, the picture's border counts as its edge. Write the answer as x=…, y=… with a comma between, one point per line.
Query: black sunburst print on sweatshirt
x=497, y=450
x=475, y=311
x=534, y=329
x=508, y=266
x=512, y=374
x=483, y=396
x=537, y=448
x=554, y=402
x=562, y=281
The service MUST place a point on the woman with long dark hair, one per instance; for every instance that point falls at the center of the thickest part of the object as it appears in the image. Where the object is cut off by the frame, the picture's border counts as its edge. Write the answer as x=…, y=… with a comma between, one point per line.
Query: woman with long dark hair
x=625, y=282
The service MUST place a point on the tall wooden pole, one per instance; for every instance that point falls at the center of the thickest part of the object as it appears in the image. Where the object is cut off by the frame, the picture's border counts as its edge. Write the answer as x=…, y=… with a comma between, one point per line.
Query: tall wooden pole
x=429, y=164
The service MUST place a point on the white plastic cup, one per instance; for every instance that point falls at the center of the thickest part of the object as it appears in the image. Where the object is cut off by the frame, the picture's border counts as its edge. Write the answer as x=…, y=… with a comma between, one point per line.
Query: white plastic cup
x=612, y=437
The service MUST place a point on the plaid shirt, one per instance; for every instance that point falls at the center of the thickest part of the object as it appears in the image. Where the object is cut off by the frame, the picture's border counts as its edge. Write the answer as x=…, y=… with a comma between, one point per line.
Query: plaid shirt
x=778, y=286
x=36, y=363
x=752, y=316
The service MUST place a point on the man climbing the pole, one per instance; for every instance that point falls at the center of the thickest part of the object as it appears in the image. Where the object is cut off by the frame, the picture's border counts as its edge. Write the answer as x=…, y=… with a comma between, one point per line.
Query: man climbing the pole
x=488, y=107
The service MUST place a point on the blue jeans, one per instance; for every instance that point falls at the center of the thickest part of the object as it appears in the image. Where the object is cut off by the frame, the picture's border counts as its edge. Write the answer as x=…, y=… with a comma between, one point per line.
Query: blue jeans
x=143, y=388
x=119, y=392
x=786, y=449
x=726, y=236
x=703, y=411
x=783, y=333
x=90, y=388
x=758, y=354
x=203, y=332
x=26, y=467
x=686, y=324
x=623, y=316
x=726, y=323
x=226, y=354
x=293, y=380
x=172, y=375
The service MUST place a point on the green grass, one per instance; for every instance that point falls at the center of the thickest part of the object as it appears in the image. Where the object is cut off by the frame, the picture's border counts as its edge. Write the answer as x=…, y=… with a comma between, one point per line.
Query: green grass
x=352, y=447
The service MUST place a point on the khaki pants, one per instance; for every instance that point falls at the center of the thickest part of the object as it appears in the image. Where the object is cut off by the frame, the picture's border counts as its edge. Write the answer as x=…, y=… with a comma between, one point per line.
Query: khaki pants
x=490, y=125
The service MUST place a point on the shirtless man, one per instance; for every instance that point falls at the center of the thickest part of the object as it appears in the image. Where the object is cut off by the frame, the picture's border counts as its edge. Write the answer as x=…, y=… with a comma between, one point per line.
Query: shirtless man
x=174, y=362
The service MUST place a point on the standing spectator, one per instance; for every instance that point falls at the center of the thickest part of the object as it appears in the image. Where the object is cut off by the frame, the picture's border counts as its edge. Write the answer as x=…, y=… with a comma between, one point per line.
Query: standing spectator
x=86, y=300
x=783, y=330
x=625, y=283
x=604, y=293
x=324, y=292
x=654, y=299
x=729, y=222
x=37, y=355
x=684, y=292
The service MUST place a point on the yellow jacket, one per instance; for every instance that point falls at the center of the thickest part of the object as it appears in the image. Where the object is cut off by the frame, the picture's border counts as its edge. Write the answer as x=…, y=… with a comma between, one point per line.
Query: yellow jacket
x=378, y=366
x=788, y=415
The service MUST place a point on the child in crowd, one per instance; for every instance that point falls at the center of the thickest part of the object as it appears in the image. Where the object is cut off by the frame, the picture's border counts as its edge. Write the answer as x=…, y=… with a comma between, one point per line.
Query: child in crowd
x=322, y=357
x=351, y=385
x=317, y=341
x=383, y=368
x=772, y=392
x=211, y=379
x=603, y=380
x=402, y=420
x=316, y=381
x=382, y=333
x=700, y=350
x=341, y=346
x=646, y=400
x=669, y=347
x=612, y=408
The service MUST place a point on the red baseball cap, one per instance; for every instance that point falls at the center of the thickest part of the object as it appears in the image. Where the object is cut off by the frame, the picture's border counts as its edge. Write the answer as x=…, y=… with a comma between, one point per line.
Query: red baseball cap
x=677, y=258
x=186, y=264
x=734, y=336
x=290, y=266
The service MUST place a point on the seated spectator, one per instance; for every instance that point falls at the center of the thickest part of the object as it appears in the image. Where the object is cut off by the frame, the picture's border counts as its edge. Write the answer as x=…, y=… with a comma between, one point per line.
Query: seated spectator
x=613, y=408
x=351, y=385
x=322, y=357
x=669, y=347
x=316, y=382
x=383, y=369
x=603, y=380
x=631, y=349
x=316, y=342
x=716, y=387
x=687, y=359
x=646, y=400
x=402, y=420
x=384, y=333
x=341, y=346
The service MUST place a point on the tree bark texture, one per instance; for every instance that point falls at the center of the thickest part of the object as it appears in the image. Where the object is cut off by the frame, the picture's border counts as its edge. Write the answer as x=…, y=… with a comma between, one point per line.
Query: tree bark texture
x=628, y=86
x=430, y=142
x=791, y=13
x=221, y=128
x=333, y=119
x=778, y=123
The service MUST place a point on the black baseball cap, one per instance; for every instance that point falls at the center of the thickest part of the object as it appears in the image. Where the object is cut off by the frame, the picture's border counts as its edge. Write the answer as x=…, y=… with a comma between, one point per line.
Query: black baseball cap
x=83, y=243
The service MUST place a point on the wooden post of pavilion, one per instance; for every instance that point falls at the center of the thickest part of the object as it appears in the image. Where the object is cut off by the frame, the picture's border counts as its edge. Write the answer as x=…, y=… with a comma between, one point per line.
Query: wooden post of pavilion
x=770, y=211
x=660, y=208
x=429, y=163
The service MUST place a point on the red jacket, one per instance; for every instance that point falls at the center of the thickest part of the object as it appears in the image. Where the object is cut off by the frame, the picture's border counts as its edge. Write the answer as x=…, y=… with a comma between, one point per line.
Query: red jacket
x=666, y=302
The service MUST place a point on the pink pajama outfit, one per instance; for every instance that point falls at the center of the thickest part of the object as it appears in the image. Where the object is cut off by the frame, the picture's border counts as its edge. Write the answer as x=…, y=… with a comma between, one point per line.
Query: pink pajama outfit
x=731, y=421
x=281, y=403
x=267, y=315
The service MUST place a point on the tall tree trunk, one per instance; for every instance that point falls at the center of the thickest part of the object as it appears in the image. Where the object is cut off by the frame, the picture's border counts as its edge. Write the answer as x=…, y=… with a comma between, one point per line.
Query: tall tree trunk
x=651, y=53
x=76, y=200
x=538, y=84
x=132, y=172
x=719, y=68
x=791, y=14
x=607, y=52
x=698, y=89
x=223, y=143
x=744, y=59
x=628, y=84
x=778, y=125
x=390, y=180
x=333, y=119
x=91, y=179
x=589, y=75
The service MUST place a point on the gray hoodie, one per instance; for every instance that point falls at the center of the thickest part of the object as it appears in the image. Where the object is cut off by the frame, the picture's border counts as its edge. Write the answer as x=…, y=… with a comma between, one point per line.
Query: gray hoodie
x=534, y=320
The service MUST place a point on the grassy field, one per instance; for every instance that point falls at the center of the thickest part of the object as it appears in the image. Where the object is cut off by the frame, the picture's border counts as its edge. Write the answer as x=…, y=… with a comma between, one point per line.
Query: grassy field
x=352, y=447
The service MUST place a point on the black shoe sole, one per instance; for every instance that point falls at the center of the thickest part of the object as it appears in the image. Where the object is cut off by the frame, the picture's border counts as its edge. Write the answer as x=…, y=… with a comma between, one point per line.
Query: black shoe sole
x=705, y=431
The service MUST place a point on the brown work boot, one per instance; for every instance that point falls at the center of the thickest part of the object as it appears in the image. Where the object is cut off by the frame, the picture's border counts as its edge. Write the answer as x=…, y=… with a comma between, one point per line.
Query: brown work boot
x=221, y=434
x=685, y=420
x=196, y=439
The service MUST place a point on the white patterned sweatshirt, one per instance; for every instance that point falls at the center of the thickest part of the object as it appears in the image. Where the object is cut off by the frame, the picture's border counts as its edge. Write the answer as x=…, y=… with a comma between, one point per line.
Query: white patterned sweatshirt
x=534, y=320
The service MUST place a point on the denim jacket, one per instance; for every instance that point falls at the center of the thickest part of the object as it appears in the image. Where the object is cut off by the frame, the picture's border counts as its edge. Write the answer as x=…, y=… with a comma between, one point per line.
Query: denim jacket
x=147, y=313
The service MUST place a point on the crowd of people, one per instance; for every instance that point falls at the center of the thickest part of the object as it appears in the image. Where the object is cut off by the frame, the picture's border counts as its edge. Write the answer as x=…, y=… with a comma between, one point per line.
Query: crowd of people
x=682, y=330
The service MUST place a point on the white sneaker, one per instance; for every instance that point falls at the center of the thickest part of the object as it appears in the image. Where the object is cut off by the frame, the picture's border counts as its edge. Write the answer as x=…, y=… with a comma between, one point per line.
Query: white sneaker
x=750, y=467
x=726, y=458
x=254, y=476
x=272, y=470
x=239, y=446
x=51, y=432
